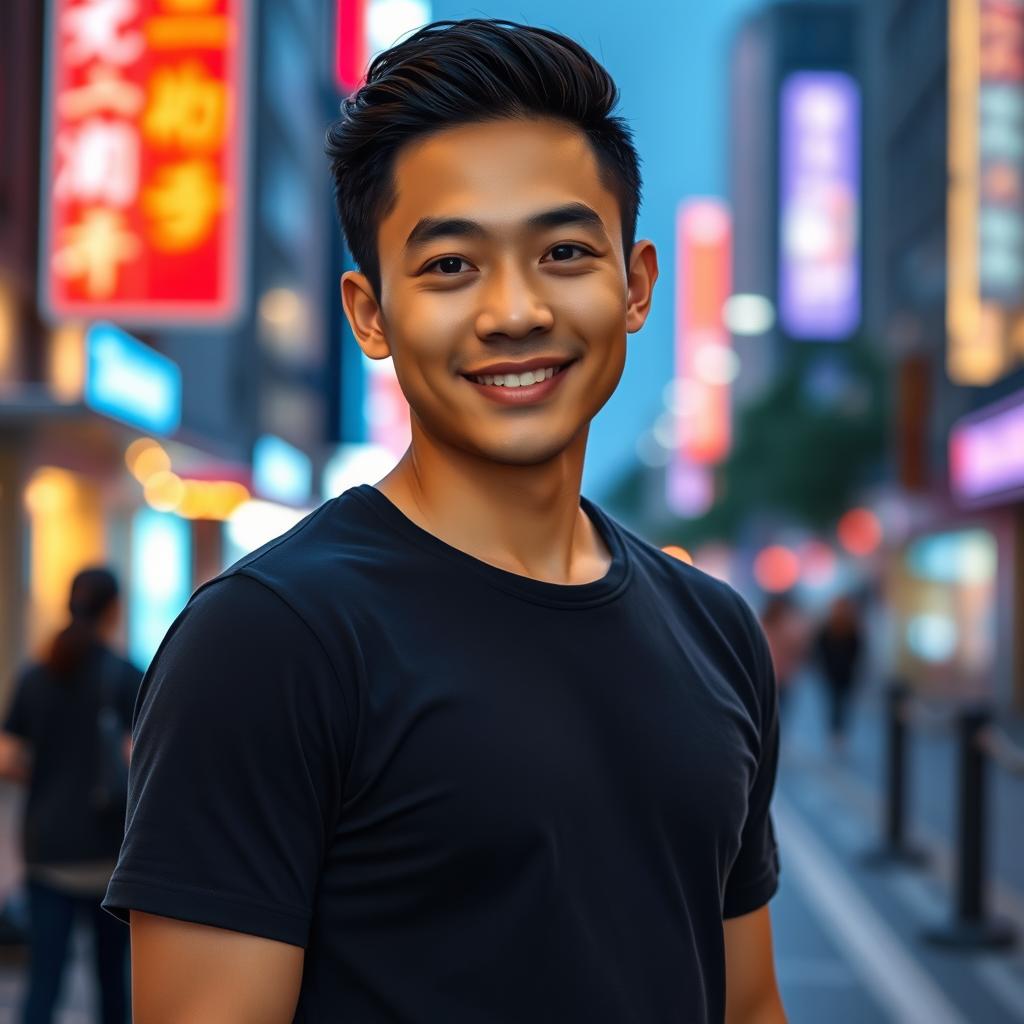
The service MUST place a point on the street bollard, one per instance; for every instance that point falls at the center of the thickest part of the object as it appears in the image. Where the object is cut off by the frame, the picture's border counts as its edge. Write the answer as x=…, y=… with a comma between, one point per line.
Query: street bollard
x=972, y=927
x=894, y=848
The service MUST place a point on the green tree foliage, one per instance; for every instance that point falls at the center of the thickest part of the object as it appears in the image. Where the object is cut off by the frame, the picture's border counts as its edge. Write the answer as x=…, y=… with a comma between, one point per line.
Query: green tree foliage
x=801, y=452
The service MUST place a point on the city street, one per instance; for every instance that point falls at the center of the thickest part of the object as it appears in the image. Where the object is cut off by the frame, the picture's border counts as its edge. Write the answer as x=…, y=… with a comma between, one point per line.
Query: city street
x=354, y=353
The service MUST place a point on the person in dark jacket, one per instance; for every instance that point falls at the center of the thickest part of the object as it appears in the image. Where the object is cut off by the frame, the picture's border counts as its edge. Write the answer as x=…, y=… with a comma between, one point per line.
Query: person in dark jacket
x=838, y=649
x=68, y=722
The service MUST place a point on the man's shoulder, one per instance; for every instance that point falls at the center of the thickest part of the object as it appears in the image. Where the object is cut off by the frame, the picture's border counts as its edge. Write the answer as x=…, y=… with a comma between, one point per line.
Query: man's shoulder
x=328, y=547
x=295, y=580
x=711, y=601
x=665, y=570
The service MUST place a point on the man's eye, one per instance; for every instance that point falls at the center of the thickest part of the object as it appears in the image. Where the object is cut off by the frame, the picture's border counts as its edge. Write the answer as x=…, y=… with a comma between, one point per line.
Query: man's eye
x=449, y=265
x=564, y=252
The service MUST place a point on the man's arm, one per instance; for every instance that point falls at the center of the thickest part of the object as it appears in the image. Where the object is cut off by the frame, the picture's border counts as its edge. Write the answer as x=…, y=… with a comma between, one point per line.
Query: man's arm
x=184, y=973
x=751, y=992
x=15, y=758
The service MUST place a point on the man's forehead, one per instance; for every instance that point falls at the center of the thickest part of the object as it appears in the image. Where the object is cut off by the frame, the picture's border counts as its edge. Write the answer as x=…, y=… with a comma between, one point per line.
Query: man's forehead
x=504, y=171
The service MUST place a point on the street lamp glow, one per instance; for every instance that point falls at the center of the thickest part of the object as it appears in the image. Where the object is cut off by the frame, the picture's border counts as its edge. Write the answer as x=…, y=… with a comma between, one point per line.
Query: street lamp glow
x=748, y=315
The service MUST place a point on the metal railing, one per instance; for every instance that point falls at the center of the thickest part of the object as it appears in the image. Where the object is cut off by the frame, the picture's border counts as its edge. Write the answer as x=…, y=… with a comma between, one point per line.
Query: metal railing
x=981, y=743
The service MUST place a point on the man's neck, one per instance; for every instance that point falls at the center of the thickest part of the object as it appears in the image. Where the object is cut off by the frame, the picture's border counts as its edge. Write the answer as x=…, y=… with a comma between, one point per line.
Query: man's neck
x=524, y=519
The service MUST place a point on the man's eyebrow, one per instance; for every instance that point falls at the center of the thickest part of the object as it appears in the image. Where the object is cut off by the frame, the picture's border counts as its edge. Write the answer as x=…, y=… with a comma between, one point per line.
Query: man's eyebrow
x=429, y=229
x=561, y=216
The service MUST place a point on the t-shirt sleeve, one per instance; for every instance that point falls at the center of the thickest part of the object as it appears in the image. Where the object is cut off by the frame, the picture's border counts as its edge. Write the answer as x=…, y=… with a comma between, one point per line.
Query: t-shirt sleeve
x=237, y=772
x=754, y=876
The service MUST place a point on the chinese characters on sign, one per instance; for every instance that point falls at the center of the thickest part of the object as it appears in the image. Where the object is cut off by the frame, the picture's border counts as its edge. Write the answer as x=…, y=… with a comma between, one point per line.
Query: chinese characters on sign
x=143, y=198
x=819, y=206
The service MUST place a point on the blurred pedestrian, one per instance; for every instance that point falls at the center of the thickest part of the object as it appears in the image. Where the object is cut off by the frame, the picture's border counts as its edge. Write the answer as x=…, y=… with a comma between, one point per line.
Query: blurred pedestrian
x=837, y=649
x=786, y=630
x=66, y=738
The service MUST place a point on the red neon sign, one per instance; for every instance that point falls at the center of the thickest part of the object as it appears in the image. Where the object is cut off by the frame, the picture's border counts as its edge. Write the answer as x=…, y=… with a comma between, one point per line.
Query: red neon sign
x=351, y=50
x=143, y=196
x=703, y=283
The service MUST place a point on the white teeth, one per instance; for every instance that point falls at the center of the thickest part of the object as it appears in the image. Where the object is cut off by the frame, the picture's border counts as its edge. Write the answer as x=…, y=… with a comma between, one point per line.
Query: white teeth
x=517, y=380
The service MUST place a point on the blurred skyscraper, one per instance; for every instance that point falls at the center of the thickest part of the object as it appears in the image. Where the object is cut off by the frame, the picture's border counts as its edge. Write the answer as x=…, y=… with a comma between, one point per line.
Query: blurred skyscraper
x=946, y=152
x=794, y=160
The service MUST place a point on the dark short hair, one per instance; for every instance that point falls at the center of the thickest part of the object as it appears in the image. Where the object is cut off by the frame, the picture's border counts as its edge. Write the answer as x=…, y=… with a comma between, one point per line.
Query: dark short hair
x=452, y=73
x=93, y=591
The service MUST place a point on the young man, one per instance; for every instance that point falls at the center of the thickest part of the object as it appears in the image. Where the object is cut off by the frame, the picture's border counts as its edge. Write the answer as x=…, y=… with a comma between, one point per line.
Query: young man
x=459, y=748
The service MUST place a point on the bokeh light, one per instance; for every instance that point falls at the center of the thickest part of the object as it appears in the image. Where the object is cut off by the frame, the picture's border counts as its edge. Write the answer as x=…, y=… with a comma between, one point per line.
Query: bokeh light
x=860, y=532
x=776, y=569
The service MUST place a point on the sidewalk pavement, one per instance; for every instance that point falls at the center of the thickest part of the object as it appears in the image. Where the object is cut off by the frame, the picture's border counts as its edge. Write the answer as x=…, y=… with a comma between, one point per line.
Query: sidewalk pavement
x=873, y=963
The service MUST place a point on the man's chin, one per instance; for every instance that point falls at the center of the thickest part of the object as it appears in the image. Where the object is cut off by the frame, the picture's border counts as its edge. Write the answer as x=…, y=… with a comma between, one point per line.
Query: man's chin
x=523, y=452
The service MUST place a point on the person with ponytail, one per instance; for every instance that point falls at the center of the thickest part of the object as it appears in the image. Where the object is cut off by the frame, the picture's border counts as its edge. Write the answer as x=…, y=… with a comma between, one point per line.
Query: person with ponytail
x=66, y=738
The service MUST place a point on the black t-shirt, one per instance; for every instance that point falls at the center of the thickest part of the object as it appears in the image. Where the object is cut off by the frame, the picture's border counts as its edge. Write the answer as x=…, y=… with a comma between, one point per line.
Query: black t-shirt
x=58, y=719
x=471, y=796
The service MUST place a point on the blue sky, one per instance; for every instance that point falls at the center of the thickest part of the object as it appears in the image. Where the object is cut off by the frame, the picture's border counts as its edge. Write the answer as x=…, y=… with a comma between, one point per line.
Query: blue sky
x=670, y=61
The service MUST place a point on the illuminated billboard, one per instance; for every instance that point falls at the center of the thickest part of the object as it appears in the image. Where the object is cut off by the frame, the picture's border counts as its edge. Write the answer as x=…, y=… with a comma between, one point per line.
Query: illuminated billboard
x=143, y=191
x=705, y=361
x=362, y=28
x=160, y=581
x=385, y=409
x=985, y=205
x=127, y=380
x=986, y=454
x=350, y=43
x=819, y=206
x=280, y=471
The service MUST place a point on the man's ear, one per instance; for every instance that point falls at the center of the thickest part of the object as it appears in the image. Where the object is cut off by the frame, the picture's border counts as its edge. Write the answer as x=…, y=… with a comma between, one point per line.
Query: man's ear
x=364, y=315
x=641, y=274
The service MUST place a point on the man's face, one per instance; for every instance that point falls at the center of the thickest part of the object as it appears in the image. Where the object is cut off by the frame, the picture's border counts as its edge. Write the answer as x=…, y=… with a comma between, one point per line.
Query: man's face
x=501, y=264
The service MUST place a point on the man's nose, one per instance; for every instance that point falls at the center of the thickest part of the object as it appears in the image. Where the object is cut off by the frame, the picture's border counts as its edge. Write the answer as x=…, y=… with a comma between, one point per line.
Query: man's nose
x=512, y=306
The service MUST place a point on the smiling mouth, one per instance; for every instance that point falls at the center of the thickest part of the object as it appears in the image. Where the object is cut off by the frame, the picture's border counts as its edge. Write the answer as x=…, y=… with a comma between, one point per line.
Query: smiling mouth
x=517, y=380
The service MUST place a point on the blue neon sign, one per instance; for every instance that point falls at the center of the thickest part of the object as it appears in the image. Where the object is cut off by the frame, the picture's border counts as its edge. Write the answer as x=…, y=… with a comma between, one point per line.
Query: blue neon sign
x=127, y=380
x=161, y=579
x=280, y=471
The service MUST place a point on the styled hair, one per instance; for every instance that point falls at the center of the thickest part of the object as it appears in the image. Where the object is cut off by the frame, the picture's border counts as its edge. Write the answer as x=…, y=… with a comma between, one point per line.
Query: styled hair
x=93, y=591
x=453, y=73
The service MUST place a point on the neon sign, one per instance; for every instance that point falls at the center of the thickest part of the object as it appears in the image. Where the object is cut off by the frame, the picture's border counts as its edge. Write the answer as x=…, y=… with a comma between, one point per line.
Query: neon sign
x=819, y=204
x=703, y=345
x=986, y=453
x=127, y=380
x=143, y=194
x=985, y=204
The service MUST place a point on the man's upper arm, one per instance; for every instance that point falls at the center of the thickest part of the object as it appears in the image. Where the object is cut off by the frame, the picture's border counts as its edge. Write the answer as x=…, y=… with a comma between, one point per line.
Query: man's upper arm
x=237, y=770
x=184, y=972
x=751, y=991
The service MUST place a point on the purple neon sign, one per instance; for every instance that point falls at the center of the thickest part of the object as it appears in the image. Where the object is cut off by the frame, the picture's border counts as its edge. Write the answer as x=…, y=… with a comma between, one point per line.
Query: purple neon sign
x=819, y=206
x=986, y=452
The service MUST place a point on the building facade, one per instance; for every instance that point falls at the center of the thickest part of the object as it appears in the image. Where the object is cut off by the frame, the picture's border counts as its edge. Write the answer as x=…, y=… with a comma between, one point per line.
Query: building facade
x=132, y=440
x=945, y=267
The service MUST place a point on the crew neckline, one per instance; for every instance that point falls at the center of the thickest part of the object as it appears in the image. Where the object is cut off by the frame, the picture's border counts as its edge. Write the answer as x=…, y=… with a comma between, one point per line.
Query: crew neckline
x=559, y=595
